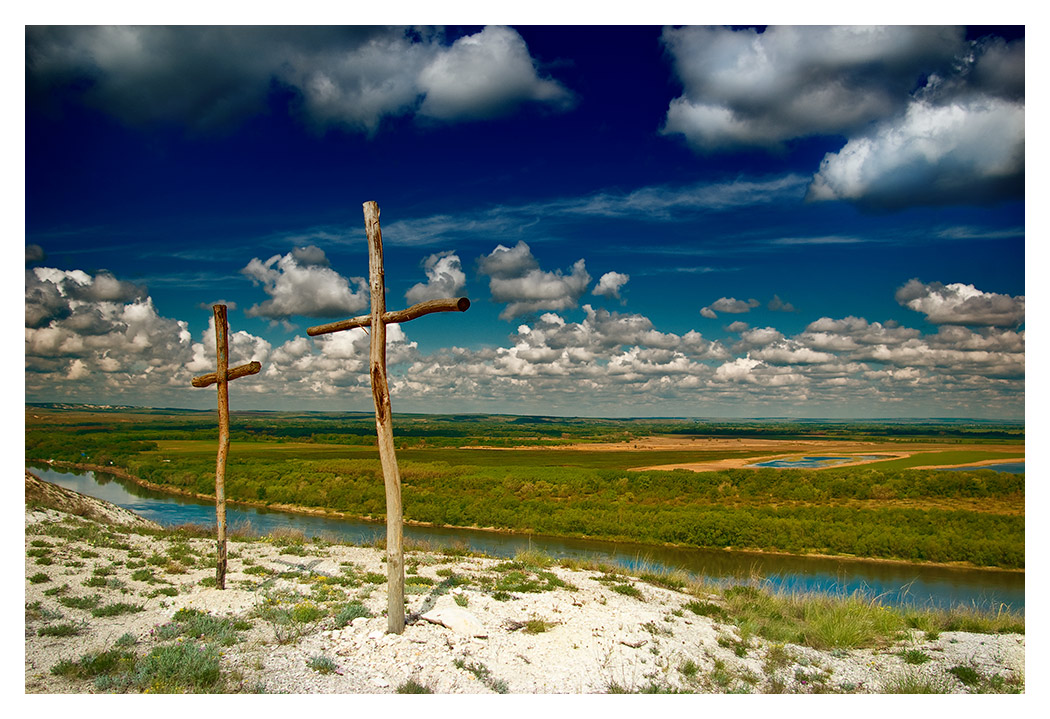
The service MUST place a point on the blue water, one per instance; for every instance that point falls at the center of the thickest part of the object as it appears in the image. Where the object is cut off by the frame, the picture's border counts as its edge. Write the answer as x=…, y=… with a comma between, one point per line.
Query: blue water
x=1011, y=467
x=814, y=462
x=894, y=583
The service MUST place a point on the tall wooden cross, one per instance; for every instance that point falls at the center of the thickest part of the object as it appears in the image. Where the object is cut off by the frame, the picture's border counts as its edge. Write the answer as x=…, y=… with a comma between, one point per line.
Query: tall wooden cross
x=221, y=378
x=378, y=320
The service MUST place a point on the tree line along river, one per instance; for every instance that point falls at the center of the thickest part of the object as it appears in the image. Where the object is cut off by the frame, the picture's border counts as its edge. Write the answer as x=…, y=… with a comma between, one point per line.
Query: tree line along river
x=894, y=583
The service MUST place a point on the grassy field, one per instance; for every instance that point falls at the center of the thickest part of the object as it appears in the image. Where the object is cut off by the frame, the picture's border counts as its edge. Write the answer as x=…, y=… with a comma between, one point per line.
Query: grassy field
x=950, y=458
x=176, y=450
x=569, y=477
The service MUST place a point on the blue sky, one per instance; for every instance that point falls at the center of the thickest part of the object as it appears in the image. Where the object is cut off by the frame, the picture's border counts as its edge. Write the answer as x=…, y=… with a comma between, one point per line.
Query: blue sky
x=649, y=221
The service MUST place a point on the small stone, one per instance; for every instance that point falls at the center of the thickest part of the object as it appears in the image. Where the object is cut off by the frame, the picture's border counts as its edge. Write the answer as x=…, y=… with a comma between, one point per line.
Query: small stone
x=458, y=620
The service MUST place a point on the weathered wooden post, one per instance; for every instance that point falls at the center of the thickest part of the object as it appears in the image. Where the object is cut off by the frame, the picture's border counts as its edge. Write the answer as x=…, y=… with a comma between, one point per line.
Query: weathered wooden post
x=378, y=320
x=221, y=378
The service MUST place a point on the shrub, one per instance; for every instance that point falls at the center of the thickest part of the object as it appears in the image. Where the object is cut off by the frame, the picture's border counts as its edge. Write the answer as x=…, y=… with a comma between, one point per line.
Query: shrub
x=39, y=578
x=178, y=668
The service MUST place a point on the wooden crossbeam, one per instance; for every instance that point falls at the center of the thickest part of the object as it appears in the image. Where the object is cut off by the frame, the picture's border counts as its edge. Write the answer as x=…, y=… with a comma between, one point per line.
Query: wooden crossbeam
x=461, y=304
x=221, y=378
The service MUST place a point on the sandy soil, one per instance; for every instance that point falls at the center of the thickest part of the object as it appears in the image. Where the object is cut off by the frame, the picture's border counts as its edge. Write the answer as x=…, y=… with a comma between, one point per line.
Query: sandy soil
x=599, y=632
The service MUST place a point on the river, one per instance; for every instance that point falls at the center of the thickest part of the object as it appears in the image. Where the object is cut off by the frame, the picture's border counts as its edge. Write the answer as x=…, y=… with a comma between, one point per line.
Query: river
x=894, y=583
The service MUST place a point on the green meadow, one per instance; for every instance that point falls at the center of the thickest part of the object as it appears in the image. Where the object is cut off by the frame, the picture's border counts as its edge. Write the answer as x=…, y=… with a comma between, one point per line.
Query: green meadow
x=884, y=509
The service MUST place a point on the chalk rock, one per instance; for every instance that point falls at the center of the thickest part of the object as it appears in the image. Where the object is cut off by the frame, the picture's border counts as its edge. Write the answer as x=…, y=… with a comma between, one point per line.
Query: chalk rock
x=458, y=620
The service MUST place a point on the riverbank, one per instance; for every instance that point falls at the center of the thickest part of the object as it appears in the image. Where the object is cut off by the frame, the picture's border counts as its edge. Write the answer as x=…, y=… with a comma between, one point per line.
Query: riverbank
x=116, y=608
x=641, y=547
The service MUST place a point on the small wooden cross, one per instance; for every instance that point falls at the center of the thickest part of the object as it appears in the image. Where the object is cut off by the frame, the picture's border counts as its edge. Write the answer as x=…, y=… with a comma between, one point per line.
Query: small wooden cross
x=221, y=377
x=378, y=320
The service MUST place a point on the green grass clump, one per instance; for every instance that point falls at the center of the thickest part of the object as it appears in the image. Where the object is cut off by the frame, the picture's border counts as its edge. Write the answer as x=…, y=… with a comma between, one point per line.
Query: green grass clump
x=818, y=621
x=321, y=664
x=628, y=590
x=94, y=664
x=534, y=558
x=307, y=612
x=197, y=624
x=288, y=615
x=39, y=578
x=36, y=610
x=116, y=608
x=966, y=618
x=349, y=612
x=80, y=602
x=706, y=609
x=915, y=683
x=179, y=668
x=127, y=639
x=915, y=656
x=484, y=674
x=519, y=577
x=60, y=630
x=536, y=626
x=413, y=687
x=677, y=580
x=966, y=674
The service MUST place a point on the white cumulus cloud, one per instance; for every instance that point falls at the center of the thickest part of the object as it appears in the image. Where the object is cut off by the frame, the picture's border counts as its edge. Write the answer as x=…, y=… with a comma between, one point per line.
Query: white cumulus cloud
x=445, y=278
x=729, y=305
x=971, y=150
x=516, y=278
x=746, y=88
x=484, y=75
x=610, y=283
x=961, y=304
x=211, y=78
x=302, y=283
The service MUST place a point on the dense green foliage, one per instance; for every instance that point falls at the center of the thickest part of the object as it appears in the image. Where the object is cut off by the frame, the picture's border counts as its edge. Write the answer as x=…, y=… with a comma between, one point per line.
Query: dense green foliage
x=874, y=510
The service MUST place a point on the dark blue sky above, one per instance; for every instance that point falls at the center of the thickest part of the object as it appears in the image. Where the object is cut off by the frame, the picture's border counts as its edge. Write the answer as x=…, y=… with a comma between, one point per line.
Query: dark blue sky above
x=833, y=226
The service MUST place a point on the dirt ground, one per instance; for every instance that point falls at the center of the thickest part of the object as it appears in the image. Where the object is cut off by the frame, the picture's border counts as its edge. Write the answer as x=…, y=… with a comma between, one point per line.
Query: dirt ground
x=770, y=449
